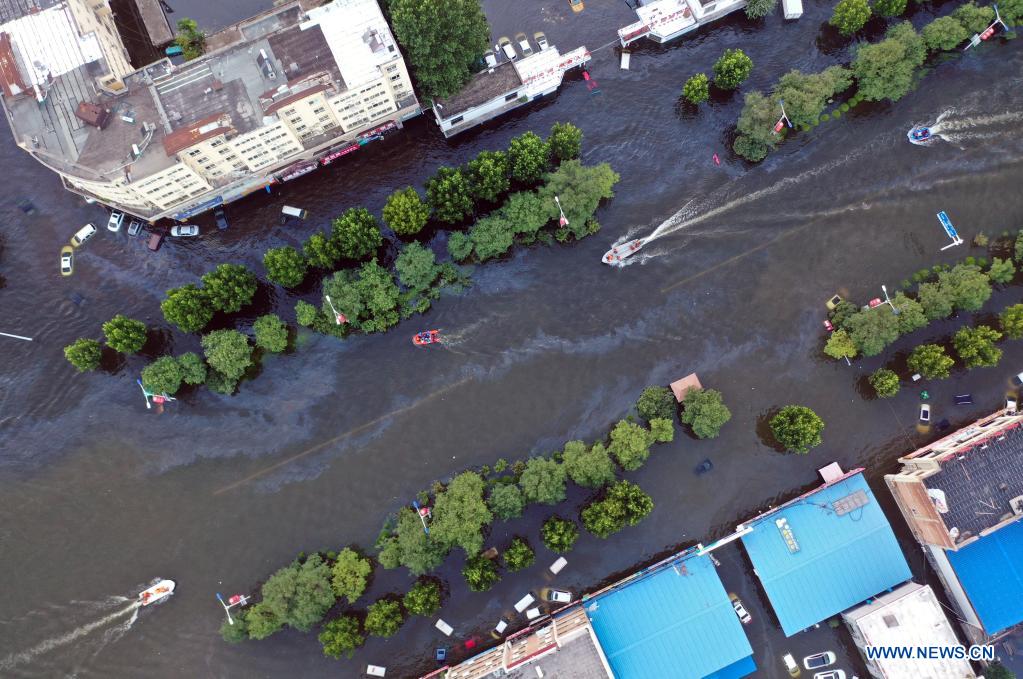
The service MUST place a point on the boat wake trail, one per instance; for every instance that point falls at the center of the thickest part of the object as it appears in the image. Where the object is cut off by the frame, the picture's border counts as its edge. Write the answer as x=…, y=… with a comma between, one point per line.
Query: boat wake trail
x=959, y=128
x=131, y=610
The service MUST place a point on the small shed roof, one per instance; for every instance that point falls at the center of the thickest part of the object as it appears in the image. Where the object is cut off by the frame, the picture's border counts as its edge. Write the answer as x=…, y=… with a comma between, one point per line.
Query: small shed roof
x=989, y=571
x=825, y=552
x=680, y=387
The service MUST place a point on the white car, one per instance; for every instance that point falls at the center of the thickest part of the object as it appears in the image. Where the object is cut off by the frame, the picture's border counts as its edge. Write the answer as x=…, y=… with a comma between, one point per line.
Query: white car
x=523, y=44
x=541, y=40
x=559, y=595
x=830, y=674
x=1011, y=404
x=744, y=617
x=83, y=234
x=925, y=413
x=115, y=221
x=182, y=230
x=819, y=660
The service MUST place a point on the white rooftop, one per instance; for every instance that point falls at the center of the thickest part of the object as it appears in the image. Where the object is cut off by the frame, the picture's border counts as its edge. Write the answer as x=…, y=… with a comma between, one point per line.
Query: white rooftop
x=48, y=44
x=666, y=17
x=358, y=37
x=544, y=69
x=909, y=616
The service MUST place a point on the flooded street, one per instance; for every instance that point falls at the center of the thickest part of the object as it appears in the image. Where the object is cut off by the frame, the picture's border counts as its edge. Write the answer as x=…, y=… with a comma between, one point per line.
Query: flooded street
x=99, y=495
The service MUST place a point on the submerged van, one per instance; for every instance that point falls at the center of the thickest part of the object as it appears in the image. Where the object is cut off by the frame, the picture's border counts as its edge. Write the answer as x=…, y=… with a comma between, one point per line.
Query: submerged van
x=297, y=212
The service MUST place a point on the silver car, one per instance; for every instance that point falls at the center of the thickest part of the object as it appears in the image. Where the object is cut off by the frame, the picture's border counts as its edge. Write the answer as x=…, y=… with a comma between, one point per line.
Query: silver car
x=181, y=230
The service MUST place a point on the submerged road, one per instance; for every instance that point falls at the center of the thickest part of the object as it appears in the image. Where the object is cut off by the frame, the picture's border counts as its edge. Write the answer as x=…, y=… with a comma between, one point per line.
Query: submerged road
x=100, y=496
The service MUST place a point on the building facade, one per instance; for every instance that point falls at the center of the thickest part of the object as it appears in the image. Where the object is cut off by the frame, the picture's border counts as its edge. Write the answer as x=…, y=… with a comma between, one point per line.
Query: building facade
x=272, y=98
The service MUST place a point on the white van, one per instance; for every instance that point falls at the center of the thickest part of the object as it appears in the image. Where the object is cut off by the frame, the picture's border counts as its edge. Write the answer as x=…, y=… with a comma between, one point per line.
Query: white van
x=297, y=212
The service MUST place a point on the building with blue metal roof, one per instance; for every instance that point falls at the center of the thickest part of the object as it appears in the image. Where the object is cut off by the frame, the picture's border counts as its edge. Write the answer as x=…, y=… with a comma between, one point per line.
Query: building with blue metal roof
x=824, y=552
x=673, y=619
x=990, y=573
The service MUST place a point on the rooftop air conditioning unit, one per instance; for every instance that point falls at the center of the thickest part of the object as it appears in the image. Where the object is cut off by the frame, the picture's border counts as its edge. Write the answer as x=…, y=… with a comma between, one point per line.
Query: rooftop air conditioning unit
x=1017, y=505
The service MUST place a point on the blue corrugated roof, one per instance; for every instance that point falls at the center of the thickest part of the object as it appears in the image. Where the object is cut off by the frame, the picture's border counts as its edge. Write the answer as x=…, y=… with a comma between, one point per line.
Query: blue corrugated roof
x=674, y=622
x=841, y=560
x=990, y=572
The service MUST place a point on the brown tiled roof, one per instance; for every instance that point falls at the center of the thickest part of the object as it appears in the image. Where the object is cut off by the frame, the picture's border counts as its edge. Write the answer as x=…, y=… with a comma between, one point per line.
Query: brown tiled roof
x=10, y=76
x=189, y=136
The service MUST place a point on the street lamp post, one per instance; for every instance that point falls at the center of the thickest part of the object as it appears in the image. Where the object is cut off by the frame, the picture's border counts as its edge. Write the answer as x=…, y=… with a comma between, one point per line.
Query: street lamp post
x=236, y=600
x=888, y=299
x=339, y=318
x=564, y=220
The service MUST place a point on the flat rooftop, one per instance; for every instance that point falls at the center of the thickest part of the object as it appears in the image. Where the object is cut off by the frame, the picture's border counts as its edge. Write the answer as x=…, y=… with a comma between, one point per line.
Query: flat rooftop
x=910, y=616
x=990, y=571
x=824, y=552
x=483, y=87
x=979, y=481
x=577, y=659
x=675, y=615
x=155, y=20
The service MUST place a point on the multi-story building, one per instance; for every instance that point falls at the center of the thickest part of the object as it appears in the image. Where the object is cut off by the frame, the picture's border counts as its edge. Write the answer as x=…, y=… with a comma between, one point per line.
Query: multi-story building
x=273, y=97
x=962, y=497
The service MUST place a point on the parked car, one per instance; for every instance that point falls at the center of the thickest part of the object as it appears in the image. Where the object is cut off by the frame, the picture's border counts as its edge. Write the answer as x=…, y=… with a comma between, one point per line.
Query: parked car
x=83, y=234
x=703, y=467
x=499, y=629
x=1011, y=404
x=490, y=58
x=744, y=617
x=115, y=221
x=819, y=660
x=830, y=674
x=26, y=206
x=221, y=219
x=541, y=41
x=523, y=42
x=155, y=241
x=790, y=665
x=183, y=230
x=559, y=596
x=829, y=326
x=925, y=413
x=297, y=212
x=876, y=302
x=833, y=302
x=505, y=45
x=67, y=260
x=134, y=227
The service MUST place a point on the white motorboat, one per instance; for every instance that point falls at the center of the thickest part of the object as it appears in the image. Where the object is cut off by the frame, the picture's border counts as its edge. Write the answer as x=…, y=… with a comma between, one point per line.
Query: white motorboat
x=161, y=590
x=618, y=253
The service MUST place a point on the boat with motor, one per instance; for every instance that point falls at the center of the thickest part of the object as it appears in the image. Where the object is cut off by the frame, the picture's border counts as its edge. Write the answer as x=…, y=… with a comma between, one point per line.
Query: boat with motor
x=421, y=339
x=618, y=253
x=161, y=590
x=919, y=135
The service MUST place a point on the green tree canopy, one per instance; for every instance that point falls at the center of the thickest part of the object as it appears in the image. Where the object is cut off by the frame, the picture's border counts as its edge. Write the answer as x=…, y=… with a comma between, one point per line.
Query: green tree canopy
x=889, y=8
x=756, y=127
x=300, y=594
x=931, y=361
x=409, y=546
x=973, y=18
x=384, y=618
x=806, y=94
x=423, y=598
x=543, y=481
x=559, y=535
x=519, y=555
x=448, y=195
x=624, y=505
x=271, y=333
x=190, y=39
x=460, y=514
x=630, y=445
x=757, y=9
x=874, y=329
x=1012, y=14
x=341, y=636
x=489, y=175
x=229, y=287
x=656, y=402
x=321, y=252
x=125, y=334
x=84, y=354
x=887, y=69
x=565, y=141
x=662, y=430
x=1011, y=320
x=528, y=156
x=840, y=345
x=911, y=314
x=590, y=467
x=731, y=69
x=580, y=189
x=850, y=16
x=842, y=313
x=350, y=574
x=935, y=300
x=480, y=573
x=797, y=428
x=187, y=307
x=944, y=33
x=285, y=266
x=697, y=88
x=997, y=670
x=237, y=632
x=262, y=621
x=506, y=501
x=417, y=267
x=163, y=376
x=976, y=346
x=369, y=297
x=219, y=383
x=705, y=411
x=443, y=41
x=405, y=212
x=1002, y=271
x=967, y=286
x=356, y=233
x=193, y=369
x=885, y=382
x=228, y=352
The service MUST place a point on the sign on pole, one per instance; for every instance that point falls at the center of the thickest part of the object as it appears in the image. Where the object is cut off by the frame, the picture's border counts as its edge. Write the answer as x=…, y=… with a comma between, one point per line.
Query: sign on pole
x=950, y=230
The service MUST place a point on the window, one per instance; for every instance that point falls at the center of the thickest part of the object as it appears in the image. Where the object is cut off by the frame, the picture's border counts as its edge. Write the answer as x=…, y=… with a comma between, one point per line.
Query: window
x=890, y=620
x=396, y=77
x=455, y=121
x=512, y=96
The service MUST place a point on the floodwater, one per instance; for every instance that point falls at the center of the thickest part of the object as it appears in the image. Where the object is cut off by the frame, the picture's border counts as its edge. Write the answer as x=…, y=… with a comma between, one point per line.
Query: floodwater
x=99, y=495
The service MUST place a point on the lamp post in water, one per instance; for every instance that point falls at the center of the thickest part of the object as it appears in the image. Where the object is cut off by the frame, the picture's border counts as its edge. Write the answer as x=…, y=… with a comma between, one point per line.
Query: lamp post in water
x=338, y=316
x=888, y=300
x=564, y=220
x=236, y=600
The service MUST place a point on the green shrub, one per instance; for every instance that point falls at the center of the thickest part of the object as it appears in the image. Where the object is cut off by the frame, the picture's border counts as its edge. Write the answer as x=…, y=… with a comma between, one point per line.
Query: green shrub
x=519, y=555
x=559, y=535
